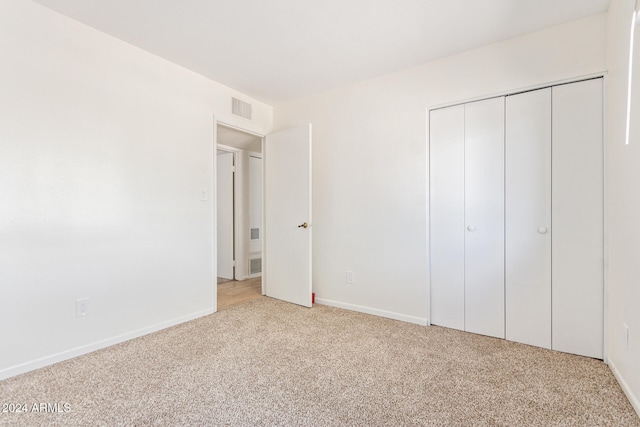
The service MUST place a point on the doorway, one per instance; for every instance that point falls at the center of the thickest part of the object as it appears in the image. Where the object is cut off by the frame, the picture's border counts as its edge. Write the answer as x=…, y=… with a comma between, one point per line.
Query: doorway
x=239, y=216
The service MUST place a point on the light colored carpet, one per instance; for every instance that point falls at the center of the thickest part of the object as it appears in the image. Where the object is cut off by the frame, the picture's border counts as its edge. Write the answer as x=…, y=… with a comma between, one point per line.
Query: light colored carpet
x=271, y=363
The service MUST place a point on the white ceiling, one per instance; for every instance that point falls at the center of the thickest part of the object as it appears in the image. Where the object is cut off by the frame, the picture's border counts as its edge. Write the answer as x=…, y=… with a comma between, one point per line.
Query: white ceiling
x=275, y=50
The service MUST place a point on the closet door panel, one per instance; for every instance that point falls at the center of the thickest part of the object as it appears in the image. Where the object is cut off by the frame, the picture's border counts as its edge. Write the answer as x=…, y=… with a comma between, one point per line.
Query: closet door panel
x=528, y=218
x=484, y=217
x=578, y=234
x=446, y=211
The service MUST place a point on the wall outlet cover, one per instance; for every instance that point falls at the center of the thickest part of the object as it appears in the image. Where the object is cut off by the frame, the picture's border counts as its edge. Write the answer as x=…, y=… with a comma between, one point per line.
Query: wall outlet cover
x=350, y=277
x=82, y=307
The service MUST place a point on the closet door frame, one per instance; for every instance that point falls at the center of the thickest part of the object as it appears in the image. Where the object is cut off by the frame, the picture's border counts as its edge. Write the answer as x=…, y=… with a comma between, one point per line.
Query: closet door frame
x=600, y=75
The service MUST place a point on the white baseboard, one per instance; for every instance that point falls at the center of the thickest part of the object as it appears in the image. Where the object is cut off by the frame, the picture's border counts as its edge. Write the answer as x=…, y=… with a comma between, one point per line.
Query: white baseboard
x=98, y=345
x=374, y=311
x=250, y=276
x=625, y=387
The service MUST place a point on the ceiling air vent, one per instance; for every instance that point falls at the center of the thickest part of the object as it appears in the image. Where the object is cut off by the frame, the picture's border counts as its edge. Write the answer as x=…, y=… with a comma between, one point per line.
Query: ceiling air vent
x=241, y=108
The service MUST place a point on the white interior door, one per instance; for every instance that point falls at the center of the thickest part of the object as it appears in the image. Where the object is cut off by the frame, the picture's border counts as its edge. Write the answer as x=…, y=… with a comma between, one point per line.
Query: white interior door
x=287, y=215
x=446, y=213
x=578, y=234
x=224, y=226
x=528, y=218
x=484, y=217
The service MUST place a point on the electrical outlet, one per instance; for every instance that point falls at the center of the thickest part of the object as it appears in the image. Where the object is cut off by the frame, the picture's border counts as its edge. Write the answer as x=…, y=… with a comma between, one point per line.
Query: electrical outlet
x=350, y=278
x=203, y=194
x=82, y=307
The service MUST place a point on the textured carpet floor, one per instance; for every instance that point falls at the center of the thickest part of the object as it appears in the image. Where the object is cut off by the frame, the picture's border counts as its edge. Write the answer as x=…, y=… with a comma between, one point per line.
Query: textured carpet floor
x=271, y=363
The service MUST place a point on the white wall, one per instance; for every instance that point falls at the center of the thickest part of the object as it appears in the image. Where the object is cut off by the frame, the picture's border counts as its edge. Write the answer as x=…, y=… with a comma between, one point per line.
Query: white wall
x=370, y=160
x=104, y=151
x=623, y=206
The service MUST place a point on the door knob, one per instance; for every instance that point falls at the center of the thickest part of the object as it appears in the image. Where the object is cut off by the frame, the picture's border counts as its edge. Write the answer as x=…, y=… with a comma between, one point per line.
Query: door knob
x=542, y=230
x=303, y=225
x=471, y=228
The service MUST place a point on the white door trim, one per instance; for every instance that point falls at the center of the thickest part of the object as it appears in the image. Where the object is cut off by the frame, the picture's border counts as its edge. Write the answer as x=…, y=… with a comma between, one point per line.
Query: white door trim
x=226, y=211
x=237, y=210
x=214, y=199
x=592, y=76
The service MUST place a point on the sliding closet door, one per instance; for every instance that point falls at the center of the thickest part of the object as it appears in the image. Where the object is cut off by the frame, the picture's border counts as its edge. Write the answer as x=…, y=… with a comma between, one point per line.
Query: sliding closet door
x=528, y=218
x=484, y=217
x=578, y=218
x=446, y=210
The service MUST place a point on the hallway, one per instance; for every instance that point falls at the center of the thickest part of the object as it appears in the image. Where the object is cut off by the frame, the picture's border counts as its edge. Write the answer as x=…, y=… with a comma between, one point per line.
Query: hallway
x=233, y=292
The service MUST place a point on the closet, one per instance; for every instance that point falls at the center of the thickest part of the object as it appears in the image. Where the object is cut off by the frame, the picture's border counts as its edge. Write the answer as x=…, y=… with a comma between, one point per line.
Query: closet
x=516, y=217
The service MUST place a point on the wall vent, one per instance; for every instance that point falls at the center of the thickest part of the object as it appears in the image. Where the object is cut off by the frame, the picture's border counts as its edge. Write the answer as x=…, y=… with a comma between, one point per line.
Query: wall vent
x=255, y=233
x=255, y=266
x=241, y=108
